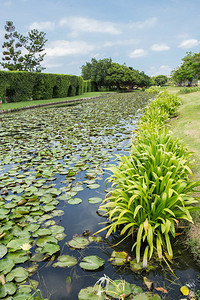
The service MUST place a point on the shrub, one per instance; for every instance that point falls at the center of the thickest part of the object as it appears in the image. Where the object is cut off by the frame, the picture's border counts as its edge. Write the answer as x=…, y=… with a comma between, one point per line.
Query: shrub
x=152, y=187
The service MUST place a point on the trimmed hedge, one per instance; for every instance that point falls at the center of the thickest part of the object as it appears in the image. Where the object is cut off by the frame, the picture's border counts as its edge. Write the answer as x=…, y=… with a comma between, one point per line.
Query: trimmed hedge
x=18, y=86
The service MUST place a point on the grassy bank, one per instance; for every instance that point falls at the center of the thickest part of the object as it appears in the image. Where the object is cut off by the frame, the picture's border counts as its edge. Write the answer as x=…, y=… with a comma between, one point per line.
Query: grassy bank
x=187, y=128
x=16, y=105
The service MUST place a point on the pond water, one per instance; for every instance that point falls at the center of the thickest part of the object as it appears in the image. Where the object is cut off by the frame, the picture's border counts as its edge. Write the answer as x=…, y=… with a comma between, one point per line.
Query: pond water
x=52, y=177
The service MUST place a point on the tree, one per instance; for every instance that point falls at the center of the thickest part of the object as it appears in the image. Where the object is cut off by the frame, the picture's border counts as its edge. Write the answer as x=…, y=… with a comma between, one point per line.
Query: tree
x=123, y=77
x=160, y=80
x=189, y=70
x=33, y=46
x=96, y=71
x=12, y=59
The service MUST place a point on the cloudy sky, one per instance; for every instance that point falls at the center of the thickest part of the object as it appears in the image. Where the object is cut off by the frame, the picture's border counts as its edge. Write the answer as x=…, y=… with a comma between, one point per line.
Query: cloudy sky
x=151, y=36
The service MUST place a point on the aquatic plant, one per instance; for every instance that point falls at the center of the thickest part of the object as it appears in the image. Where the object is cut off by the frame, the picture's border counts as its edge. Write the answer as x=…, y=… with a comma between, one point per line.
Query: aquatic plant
x=152, y=187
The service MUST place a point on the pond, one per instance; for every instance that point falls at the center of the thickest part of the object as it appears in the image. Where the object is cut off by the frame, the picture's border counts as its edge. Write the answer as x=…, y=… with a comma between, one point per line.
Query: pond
x=52, y=178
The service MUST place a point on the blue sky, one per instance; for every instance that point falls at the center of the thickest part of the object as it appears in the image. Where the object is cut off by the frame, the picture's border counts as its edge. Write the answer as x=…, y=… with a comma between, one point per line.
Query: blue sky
x=151, y=36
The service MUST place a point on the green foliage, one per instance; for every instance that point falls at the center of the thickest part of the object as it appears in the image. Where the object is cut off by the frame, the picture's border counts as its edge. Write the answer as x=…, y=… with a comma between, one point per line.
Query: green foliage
x=188, y=90
x=12, y=54
x=124, y=77
x=21, y=86
x=106, y=74
x=96, y=71
x=15, y=43
x=151, y=188
x=189, y=70
x=160, y=80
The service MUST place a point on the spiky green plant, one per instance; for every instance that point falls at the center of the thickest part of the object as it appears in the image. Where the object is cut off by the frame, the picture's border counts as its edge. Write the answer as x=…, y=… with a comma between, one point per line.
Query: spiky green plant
x=152, y=187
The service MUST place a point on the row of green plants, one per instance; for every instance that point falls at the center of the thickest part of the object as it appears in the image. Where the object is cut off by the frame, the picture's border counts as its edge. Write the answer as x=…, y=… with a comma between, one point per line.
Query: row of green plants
x=152, y=187
x=188, y=90
x=18, y=86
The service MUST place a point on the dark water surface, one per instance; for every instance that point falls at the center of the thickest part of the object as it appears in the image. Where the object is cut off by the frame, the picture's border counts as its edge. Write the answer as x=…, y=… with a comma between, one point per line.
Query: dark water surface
x=46, y=144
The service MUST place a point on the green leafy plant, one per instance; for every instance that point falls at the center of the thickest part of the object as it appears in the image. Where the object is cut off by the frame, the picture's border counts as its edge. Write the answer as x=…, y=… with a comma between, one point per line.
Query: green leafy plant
x=151, y=188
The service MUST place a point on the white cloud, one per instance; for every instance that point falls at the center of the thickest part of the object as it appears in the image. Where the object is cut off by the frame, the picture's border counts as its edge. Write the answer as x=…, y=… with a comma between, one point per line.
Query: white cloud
x=160, y=47
x=78, y=24
x=149, y=23
x=42, y=25
x=189, y=43
x=162, y=70
x=138, y=53
x=119, y=43
x=66, y=48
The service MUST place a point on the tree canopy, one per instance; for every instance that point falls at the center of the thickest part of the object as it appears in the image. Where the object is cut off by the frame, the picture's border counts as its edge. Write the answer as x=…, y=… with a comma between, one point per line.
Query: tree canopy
x=189, y=70
x=32, y=45
x=160, y=80
x=105, y=73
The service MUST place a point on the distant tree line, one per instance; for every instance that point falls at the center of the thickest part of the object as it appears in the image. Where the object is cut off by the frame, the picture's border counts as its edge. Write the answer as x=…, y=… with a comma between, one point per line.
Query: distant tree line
x=32, y=47
x=107, y=74
x=189, y=70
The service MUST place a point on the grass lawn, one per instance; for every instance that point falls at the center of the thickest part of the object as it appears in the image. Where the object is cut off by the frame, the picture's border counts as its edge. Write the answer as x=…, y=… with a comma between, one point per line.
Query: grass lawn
x=15, y=105
x=187, y=128
x=187, y=125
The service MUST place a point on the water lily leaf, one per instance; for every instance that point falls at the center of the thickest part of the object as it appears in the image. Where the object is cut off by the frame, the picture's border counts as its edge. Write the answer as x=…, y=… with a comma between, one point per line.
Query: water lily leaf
x=75, y=201
x=119, y=258
x=135, y=266
x=18, y=274
x=65, y=197
x=65, y=261
x=50, y=248
x=46, y=239
x=9, y=288
x=56, y=229
x=78, y=242
x=42, y=232
x=39, y=257
x=6, y=265
x=184, y=290
x=3, y=250
x=93, y=186
x=77, y=188
x=16, y=244
x=118, y=289
x=18, y=257
x=92, y=262
x=92, y=292
x=94, y=200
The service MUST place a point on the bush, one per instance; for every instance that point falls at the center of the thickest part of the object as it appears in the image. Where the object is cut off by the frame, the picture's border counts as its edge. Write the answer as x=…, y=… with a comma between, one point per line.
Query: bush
x=152, y=187
x=18, y=86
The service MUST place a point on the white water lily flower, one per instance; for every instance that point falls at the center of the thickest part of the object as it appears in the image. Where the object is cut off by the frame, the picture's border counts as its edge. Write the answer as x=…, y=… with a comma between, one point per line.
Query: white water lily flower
x=26, y=247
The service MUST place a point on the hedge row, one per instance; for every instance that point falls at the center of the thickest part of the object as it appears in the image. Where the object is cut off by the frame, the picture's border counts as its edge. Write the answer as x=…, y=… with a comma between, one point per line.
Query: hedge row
x=21, y=86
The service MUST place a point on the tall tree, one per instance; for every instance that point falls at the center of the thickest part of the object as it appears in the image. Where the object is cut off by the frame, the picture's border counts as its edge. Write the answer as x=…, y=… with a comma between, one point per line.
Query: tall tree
x=33, y=45
x=96, y=70
x=12, y=59
x=189, y=70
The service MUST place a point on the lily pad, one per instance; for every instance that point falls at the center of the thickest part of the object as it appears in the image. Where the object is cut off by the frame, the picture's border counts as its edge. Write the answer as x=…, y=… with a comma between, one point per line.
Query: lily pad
x=50, y=249
x=6, y=265
x=92, y=262
x=18, y=274
x=75, y=201
x=119, y=258
x=92, y=292
x=9, y=288
x=93, y=186
x=65, y=261
x=118, y=289
x=3, y=250
x=94, y=200
x=78, y=242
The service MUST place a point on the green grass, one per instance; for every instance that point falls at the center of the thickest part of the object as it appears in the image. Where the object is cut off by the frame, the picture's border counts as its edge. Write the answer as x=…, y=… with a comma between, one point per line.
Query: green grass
x=187, y=126
x=16, y=105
